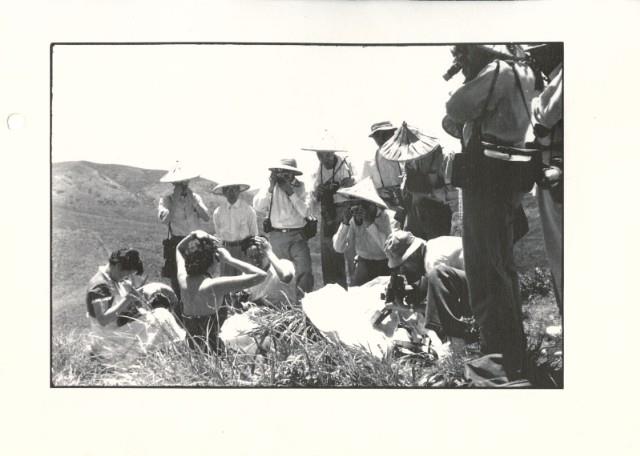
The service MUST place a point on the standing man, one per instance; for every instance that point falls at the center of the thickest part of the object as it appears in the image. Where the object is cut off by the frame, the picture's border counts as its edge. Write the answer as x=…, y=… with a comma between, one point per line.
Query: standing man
x=386, y=174
x=183, y=211
x=285, y=203
x=233, y=221
x=334, y=172
x=366, y=223
x=547, y=112
x=493, y=105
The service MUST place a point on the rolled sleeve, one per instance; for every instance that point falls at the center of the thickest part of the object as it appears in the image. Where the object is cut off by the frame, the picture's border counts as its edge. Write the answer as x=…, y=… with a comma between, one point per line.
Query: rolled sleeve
x=341, y=238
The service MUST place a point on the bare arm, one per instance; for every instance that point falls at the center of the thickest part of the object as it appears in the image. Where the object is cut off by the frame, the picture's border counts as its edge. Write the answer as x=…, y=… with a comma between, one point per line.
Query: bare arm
x=221, y=285
x=164, y=210
x=200, y=207
x=104, y=317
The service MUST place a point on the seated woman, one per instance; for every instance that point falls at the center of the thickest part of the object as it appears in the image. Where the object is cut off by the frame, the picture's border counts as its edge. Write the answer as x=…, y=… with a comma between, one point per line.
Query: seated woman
x=279, y=271
x=202, y=295
x=124, y=323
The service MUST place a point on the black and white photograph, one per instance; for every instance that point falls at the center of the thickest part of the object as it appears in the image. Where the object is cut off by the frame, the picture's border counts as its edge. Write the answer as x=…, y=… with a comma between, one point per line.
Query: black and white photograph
x=307, y=215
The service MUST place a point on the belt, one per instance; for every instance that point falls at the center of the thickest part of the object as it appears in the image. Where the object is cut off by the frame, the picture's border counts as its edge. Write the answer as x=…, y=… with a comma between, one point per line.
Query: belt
x=287, y=230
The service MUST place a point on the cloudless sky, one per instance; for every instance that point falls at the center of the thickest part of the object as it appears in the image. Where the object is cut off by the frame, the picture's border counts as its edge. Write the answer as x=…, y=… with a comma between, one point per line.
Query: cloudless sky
x=232, y=110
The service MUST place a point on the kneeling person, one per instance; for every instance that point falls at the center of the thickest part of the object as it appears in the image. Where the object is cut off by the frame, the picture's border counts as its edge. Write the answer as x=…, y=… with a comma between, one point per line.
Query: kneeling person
x=366, y=224
x=436, y=270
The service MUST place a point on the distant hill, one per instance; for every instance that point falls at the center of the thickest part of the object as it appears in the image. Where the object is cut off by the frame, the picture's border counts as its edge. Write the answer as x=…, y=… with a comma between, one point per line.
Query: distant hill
x=100, y=207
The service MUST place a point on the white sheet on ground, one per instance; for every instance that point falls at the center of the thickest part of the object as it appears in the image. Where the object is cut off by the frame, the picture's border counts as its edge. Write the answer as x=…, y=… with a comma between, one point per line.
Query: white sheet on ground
x=346, y=316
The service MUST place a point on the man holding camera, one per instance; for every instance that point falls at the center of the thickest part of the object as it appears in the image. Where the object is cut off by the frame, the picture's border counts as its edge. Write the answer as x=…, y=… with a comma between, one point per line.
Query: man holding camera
x=366, y=223
x=492, y=107
x=285, y=202
x=183, y=211
x=334, y=172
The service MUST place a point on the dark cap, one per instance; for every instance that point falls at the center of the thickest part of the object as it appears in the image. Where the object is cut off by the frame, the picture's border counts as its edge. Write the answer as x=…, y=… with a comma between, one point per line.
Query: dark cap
x=128, y=259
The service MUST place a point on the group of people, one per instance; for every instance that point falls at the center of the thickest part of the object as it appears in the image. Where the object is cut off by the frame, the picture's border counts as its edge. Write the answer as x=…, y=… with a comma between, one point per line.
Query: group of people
x=395, y=216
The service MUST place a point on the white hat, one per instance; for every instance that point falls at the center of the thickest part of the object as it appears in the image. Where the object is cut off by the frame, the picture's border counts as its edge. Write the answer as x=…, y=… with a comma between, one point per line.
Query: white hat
x=385, y=125
x=287, y=164
x=407, y=144
x=178, y=174
x=399, y=246
x=217, y=190
x=364, y=190
x=326, y=143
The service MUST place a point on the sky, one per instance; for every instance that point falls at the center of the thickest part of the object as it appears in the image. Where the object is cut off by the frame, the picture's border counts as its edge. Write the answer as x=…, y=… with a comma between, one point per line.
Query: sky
x=230, y=111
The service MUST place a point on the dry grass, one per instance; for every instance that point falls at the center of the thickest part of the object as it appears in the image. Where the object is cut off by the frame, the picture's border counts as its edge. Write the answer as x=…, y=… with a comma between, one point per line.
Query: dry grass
x=298, y=357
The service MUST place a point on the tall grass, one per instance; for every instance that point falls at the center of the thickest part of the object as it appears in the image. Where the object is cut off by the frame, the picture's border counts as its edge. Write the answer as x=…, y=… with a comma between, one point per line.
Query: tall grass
x=298, y=356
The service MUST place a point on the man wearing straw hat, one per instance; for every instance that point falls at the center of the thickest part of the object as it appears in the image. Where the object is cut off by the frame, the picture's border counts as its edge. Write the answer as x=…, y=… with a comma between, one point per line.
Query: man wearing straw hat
x=233, y=221
x=366, y=223
x=429, y=202
x=334, y=172
x=285, y=203
x=386, y=175
x=183, y=211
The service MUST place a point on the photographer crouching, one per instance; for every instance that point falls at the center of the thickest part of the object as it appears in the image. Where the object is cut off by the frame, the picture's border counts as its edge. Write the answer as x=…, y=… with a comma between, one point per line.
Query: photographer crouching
x=492, y=112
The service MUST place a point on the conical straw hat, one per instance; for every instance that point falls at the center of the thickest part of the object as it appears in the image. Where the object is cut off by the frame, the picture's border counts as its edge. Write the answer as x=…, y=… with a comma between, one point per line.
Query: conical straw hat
x=325, y=143
x=178, y=174
x=217, y=190
x=408, y=143
x=364, y=190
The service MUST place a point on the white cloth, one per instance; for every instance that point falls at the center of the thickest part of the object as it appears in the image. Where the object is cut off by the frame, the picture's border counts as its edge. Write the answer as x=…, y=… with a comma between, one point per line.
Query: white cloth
x=123, y=344
x=286, y=211
x=235, y=222
x=236, y=329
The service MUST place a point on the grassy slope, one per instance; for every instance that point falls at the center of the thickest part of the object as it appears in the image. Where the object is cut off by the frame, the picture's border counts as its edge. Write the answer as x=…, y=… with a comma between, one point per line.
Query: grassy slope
x=101, y=207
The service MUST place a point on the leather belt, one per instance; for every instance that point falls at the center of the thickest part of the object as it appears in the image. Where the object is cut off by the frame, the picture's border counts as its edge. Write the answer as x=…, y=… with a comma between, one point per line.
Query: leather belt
x=287, y=230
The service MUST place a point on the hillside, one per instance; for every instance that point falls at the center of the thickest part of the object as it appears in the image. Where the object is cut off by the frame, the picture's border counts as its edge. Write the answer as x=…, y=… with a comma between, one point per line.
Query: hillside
x=99, y=207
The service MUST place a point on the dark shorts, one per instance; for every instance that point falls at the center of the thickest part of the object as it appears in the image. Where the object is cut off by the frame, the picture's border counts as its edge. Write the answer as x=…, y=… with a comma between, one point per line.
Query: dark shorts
x=203, y=331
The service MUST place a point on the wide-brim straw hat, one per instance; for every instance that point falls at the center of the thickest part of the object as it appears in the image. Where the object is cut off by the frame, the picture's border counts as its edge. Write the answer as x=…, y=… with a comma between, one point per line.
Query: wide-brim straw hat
x=501, y=51
x=364, y=190
x=381, y=126
x=325, y=143
x=399, y=246
x=179, y=174
x=407, y=144
x=217, y=190
x=287, y=164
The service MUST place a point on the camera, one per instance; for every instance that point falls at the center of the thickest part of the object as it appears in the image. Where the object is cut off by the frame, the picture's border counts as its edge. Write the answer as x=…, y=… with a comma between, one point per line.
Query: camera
x=267, y=227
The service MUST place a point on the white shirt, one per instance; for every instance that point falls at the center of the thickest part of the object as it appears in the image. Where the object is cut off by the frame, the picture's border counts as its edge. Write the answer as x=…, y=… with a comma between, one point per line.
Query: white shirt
x=235, y=222
x=272, y=282
x=444, y=250
x=181, y=213
x=383, y=172
x=286, y=211
x=369, y=241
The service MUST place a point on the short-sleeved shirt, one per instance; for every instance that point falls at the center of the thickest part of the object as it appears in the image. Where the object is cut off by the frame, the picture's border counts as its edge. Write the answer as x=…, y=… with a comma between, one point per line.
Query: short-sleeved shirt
x=182, y=215
x=235, y=222
x=383, y=172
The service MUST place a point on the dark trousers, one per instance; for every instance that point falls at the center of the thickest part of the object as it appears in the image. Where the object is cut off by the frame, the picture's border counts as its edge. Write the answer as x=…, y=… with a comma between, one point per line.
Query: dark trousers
x=494, y=293
x=170, y=268
x=367, y=270
x=333, y=266
x=203, y=331
x=426, y=218
x=448, y=294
